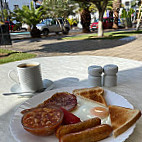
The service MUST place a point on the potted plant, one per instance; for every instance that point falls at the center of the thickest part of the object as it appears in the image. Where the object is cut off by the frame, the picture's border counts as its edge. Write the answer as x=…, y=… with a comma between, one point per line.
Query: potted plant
x=31, y=17
x=126, y=15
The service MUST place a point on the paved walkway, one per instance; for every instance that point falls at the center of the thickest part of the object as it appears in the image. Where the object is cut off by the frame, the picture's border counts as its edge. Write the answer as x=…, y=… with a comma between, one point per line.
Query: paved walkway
x=53, y=46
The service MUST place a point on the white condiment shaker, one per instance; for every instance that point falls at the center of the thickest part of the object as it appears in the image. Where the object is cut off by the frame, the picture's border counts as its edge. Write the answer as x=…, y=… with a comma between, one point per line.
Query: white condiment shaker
x=110, y=75
x=94, y=76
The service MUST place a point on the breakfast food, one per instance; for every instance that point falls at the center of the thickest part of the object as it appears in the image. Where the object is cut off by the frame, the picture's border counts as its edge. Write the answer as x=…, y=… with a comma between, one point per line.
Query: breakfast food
x=69, y=118
x=61, y=99
x=42, y=121
x=95, y=94
x=79, y=117
x=89, y=135
x=72, y=128
x=86, y=109
x=100, y=112
x=122, y=118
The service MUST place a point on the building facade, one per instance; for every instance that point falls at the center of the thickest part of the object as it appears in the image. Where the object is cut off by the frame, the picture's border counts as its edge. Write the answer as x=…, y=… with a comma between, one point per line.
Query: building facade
x=14, y=4
x=127, y=3
x=131, y=4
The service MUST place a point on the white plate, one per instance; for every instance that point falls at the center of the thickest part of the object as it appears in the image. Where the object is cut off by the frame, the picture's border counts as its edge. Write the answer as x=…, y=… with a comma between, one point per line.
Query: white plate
x=48, y=84
x=22, y=135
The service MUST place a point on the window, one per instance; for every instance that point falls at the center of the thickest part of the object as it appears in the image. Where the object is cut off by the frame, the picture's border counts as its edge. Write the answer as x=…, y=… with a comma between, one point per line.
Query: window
x=127, y=3
x=43, y=22
x=60, y=21
x=16, y=7
x=48, y=21
x=53, y=22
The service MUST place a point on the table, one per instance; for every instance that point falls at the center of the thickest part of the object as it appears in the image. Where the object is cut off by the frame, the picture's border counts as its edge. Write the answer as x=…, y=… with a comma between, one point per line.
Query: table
x=68, y=71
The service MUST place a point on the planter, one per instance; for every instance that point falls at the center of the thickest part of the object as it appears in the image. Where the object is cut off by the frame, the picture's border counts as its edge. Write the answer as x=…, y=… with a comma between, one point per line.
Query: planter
x=35, y=33
x=127, y=22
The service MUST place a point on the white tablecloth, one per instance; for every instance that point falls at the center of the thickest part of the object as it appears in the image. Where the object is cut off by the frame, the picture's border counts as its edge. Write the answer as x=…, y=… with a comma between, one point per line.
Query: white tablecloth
x=68, y=71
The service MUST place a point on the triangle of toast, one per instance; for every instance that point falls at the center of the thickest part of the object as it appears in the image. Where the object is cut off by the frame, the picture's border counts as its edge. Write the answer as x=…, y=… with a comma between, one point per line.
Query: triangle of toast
x=122, y=118
x=95, y=94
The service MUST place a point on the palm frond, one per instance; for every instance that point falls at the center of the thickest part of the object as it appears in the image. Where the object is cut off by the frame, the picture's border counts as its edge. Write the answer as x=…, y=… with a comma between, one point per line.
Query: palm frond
x=30, y=16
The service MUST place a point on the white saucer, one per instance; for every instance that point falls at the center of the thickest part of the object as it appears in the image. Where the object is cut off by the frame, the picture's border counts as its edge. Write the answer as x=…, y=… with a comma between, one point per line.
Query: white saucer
x=47, y=84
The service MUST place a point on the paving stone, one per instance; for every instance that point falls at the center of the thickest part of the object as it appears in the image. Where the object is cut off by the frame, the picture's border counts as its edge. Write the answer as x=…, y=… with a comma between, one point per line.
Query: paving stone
x=52, y=46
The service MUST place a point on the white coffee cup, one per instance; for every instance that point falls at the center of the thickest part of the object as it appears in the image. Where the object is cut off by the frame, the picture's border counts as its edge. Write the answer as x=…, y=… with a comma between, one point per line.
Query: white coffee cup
x=29, y=76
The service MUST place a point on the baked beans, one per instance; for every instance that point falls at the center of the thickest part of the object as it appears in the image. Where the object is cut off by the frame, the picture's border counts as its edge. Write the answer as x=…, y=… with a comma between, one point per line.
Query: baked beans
x=38, y=118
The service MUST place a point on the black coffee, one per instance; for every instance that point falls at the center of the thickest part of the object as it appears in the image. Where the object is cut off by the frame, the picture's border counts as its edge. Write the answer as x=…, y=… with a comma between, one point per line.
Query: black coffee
x=26, y=65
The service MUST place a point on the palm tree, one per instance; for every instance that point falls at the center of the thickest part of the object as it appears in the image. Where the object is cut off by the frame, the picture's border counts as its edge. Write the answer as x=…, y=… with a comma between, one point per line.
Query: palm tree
x=72, y=22
x=6, y=14
x=31, y=17
x=101, y=6
x=116, y=8
x=110, y=8
x=59, y=8
x=85, y=14
x=139, y=18
x=127, y=19
x=85, y=20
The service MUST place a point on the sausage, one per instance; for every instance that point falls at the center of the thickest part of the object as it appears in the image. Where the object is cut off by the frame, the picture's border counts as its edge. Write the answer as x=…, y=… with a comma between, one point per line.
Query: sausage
x=89, y=135
x=80, y=126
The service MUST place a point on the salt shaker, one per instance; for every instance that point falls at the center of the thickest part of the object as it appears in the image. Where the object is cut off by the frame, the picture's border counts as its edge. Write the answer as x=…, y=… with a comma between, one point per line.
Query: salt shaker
x=94, y=75
x=110, y=75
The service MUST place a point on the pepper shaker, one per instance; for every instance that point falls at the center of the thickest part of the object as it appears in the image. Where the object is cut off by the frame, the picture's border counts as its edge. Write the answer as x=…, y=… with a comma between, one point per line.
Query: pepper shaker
x=94, y=75
x=110, y=75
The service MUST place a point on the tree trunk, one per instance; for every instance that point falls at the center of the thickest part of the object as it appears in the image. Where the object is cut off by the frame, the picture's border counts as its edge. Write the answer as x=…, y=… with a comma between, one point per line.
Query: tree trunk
x=111, y=13
x=139, y=18
x=100, y=24
x=101, y=6
x=116, y=8
x=138, y=23
x=115, y=22
x=85, y=20
x=100, y=29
